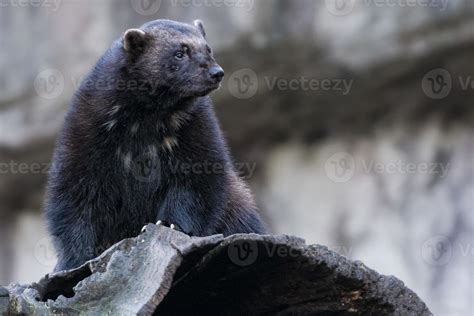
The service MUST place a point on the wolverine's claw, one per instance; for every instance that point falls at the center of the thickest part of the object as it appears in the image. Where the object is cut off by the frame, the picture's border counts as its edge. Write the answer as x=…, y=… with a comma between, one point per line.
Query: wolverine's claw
x=167, y=224
x=143, y=228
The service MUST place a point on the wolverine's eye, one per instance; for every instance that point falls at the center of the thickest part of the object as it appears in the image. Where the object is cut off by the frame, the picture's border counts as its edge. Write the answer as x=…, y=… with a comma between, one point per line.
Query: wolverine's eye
x=209, y=50
x=179, y=55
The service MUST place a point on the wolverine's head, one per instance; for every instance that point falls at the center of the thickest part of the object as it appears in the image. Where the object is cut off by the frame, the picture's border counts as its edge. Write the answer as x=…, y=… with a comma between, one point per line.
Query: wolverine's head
x=173, y=56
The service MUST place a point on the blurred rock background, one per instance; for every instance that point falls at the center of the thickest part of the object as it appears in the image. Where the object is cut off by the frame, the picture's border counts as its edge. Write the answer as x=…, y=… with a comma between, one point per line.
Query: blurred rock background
x=351, y=119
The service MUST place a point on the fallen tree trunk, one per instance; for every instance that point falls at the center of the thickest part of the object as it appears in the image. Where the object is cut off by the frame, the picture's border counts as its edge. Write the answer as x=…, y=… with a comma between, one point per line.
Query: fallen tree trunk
x=165, y=272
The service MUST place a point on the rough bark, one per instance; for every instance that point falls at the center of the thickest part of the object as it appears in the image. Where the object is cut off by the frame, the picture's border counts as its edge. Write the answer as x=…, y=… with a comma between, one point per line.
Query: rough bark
x=164, y=272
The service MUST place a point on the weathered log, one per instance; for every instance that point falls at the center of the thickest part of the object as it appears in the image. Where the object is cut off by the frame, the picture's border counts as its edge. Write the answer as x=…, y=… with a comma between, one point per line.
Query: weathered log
x=165, y=272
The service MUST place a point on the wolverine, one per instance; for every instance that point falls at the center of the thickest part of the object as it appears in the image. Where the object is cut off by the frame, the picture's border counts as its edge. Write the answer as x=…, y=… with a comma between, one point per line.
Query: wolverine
x=138, y=128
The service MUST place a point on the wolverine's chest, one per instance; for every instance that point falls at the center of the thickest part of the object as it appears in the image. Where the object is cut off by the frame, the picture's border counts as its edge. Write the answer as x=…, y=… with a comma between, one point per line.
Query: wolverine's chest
x=144, y=148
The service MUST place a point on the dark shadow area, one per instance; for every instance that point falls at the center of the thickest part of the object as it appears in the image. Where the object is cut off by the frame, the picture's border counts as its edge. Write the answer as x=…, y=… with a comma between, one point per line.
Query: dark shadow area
x=62, y=284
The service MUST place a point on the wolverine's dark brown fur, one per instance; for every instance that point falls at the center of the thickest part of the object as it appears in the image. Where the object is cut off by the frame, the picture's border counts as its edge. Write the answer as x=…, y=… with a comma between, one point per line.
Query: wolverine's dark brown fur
x=138, y=129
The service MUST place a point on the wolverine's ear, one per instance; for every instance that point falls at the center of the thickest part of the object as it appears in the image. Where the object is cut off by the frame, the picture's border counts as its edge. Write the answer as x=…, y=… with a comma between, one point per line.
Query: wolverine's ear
x=133, y=39
x=200, y=26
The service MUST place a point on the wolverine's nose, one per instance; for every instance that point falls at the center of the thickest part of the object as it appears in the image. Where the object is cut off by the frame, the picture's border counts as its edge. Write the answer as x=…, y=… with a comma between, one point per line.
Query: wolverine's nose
x=216, y=72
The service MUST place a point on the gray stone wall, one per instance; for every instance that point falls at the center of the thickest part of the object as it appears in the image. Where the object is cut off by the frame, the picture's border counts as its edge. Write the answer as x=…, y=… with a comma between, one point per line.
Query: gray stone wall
x=335, y=123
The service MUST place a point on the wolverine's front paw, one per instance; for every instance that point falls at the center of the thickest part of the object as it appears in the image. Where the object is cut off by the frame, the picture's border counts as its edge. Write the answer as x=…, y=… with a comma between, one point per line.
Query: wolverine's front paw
x=172, y=226
x=164, y=223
